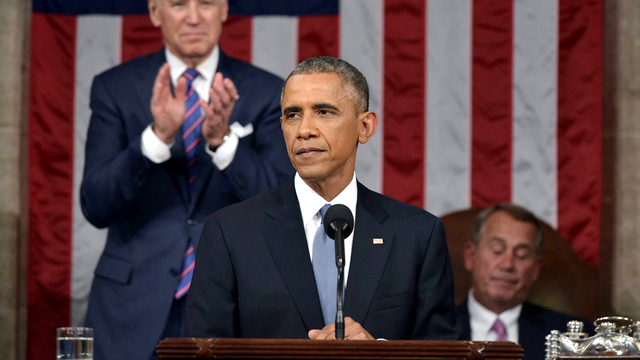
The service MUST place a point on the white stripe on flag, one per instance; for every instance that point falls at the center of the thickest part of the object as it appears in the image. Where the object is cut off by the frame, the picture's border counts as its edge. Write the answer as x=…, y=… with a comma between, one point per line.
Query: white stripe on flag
x=448, y=147
x=535, y=59
x=361, y=26
x=275, y=43
x=98, y=42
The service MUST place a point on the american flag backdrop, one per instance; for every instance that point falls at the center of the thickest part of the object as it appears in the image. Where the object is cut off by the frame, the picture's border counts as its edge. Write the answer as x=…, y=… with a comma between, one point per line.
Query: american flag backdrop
x=480, y=101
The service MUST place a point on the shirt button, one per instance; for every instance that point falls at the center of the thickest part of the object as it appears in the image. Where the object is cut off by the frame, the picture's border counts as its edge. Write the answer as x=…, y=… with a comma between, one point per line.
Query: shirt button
x=191, y=222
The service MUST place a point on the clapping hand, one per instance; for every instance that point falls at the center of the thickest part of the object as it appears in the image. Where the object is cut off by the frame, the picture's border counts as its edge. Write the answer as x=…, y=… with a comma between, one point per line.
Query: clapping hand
x=223, y=95
x=167, y=110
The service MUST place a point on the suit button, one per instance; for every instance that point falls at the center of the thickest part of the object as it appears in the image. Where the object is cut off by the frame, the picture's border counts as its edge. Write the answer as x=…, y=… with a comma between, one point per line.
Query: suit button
x=139, y=177
x=240, y=181
x=174, y=272
x=191, y=222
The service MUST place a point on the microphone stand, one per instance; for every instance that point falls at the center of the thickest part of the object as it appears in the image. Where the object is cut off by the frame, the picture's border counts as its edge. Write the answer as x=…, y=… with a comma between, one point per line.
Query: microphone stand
x=338, y=222
x=339, y=240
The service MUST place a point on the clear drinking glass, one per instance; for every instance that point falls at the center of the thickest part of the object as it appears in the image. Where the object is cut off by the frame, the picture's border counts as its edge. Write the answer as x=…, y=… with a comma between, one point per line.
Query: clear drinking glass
x=74, y=343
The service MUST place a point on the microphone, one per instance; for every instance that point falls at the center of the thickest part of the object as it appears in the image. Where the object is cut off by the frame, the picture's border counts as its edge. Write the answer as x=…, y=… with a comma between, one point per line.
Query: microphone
x=338, y=224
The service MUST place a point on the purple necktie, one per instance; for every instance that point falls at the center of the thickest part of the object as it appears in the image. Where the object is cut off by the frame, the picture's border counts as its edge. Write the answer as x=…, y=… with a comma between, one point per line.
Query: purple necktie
x=500, y=329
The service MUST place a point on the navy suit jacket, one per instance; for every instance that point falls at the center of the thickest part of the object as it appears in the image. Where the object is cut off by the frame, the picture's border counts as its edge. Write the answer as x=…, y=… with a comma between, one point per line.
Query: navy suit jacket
x=534, y=324
x=147, y=207
x=254, y=278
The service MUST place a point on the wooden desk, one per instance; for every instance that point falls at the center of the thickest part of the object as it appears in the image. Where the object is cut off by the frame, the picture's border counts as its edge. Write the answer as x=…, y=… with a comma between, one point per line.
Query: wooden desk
x=195, y=348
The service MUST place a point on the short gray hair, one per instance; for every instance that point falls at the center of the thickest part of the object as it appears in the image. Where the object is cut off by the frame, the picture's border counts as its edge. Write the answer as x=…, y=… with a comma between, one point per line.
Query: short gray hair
x=517, y=212
x=158, y=1
x=353, y=82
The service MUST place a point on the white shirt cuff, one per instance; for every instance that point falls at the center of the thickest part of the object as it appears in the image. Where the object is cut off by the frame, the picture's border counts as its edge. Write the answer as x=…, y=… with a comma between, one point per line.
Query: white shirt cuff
x=224, y=154
x=153, y=148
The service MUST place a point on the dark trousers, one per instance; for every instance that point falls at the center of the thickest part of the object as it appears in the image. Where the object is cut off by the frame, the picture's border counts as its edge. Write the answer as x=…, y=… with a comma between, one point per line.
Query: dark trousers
x=175, y=323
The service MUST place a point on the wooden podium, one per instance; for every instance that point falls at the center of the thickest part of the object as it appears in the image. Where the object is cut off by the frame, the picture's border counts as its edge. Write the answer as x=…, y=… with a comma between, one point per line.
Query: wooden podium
x=195, y=348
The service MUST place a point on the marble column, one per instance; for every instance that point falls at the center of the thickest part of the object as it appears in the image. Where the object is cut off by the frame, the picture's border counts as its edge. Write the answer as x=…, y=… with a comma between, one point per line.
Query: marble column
x=621, y=144
x=14, y=26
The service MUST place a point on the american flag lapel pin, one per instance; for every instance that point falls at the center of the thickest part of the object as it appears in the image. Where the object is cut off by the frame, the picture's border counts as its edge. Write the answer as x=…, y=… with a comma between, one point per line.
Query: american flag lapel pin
x=378, y=241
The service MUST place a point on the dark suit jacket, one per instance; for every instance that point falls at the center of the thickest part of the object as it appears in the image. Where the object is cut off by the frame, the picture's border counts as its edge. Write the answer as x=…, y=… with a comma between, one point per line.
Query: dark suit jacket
x=254, y=277
x=534, y=324
x=146, y=206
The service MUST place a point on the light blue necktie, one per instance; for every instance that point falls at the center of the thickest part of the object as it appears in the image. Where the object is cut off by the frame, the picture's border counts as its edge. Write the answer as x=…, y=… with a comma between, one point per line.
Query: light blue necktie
x=325, y=270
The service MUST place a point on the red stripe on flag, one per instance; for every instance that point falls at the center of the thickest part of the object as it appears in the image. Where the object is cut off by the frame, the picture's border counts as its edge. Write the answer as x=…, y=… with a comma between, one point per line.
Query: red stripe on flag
x=235, y=39
x=492, y=113
x=139, y=37
x=404, y=100
x=50, y=182
x=318, y=35
x=580, y=125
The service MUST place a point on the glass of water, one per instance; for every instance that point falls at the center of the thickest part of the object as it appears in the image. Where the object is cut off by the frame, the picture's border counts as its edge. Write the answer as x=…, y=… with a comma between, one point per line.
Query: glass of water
x=74, y=343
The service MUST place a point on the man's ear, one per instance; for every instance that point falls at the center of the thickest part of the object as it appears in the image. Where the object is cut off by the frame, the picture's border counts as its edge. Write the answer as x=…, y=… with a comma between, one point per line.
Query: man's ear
x=154, y=12
x=368, y=125
x=225, y=10
x=538, y=266
x=469, y=253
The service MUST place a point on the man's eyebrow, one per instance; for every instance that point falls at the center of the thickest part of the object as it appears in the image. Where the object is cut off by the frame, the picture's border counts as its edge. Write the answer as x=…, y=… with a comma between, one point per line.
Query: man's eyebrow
x=325, y=106
x=497, y=238
x=524, y=246
x=289, y=109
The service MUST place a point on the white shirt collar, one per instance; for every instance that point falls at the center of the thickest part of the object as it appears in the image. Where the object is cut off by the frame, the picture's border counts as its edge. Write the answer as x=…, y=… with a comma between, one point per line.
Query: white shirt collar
x=311, y=202
x=206, y=69
x=481, y=319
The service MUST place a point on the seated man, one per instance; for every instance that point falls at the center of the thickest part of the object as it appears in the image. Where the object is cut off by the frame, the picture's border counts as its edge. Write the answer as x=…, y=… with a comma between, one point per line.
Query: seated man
x=258, y=270
x=504, y=259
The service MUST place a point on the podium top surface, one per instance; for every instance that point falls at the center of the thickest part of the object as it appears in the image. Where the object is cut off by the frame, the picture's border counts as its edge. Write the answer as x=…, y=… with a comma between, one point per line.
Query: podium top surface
x=217, y=348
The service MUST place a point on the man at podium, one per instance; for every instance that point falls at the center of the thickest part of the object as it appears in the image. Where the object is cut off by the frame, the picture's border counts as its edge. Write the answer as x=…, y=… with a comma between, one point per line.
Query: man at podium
x=262, y=267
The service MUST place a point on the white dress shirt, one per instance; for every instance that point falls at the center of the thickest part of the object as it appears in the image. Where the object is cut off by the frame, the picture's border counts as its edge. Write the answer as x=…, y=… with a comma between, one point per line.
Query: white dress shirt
x=310, y=205
x=155, y=149
x=481, y=320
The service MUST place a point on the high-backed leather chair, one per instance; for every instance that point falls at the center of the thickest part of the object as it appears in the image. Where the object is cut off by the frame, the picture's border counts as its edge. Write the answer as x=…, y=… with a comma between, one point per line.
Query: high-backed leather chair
x=566, y=283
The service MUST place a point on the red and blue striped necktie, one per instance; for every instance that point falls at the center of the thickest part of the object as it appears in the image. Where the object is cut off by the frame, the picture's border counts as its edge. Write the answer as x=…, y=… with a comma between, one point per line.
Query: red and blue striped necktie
x=191, y=136
x=188, y=263
x=192, y=127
